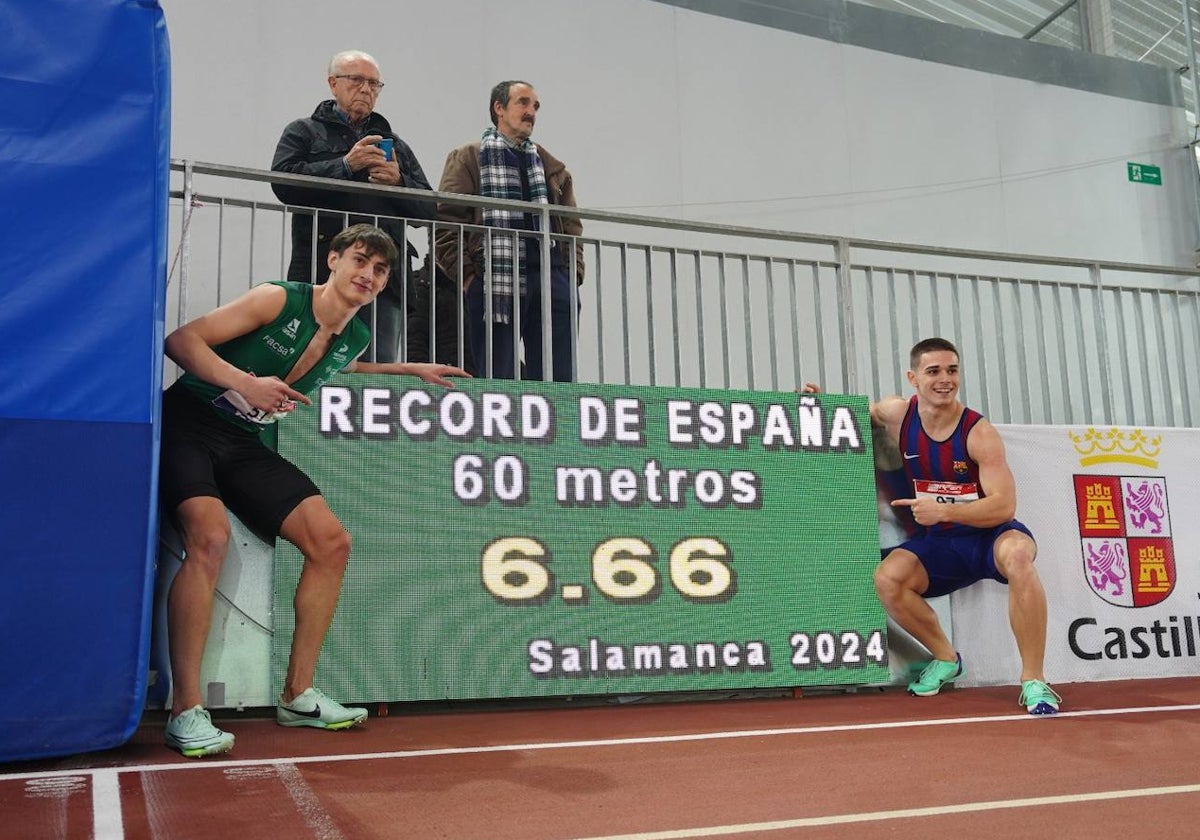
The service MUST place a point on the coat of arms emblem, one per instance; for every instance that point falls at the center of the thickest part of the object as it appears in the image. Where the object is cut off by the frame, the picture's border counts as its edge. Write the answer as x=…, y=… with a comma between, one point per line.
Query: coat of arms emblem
x=1125, y=530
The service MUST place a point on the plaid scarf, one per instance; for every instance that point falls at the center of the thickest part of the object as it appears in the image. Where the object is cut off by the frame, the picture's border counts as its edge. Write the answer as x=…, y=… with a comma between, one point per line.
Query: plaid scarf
x=499, y=179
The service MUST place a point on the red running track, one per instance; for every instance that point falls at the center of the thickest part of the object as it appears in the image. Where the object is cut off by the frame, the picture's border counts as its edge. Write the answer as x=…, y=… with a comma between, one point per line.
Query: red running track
x=1120, y=762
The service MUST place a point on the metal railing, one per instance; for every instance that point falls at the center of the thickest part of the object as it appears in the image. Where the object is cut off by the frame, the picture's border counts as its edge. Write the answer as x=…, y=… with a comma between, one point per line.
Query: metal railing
x=1044, y=340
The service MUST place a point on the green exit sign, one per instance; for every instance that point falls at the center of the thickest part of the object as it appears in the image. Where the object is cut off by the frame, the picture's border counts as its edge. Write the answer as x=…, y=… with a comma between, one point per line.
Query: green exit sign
x=1144, y=173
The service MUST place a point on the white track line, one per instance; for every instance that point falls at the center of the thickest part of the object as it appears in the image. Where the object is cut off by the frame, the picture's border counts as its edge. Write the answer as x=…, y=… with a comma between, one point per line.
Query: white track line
x=106, y=805
x=221, y=764
x=308, y=804
x=910, y=813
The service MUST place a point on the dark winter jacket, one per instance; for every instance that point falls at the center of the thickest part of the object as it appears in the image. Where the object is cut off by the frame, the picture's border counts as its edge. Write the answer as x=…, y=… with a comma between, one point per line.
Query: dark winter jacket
x=315, y=146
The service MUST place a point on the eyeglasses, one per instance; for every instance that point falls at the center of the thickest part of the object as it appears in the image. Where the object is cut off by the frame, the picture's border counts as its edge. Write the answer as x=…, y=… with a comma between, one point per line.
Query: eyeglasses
x=359, y=81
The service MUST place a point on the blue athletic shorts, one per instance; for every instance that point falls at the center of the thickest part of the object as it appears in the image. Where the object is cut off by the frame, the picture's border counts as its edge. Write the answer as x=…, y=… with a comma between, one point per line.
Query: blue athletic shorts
x=955, y=562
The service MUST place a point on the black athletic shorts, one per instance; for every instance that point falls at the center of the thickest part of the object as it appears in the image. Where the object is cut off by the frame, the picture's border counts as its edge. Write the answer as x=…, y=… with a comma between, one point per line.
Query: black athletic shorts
x=205, y=455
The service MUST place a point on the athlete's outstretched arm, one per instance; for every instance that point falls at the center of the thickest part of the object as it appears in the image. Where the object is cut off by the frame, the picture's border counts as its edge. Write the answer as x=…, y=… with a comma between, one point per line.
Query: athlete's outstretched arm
x=431, y=372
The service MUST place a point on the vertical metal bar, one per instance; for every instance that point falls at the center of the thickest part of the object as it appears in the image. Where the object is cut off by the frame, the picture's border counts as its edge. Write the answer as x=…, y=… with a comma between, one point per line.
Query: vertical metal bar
x=489, y=311
x=981, y=364
x=284, y=240
x=547, y=291
x=872, y=345
x=312, y=254
x=599, y=315
x=625, y=309
x=747, y=327
x=1042, y=375
x=1022, y=357
x=249, y=252
x=1081, y=354
x=431, y=264
x=1144, y=347
x=914, y=316
x=1194, y=299
x=1002, y=345
x=573, y=303
x=770, y=309
x=673, y=256
x=1123, y=353
x=185, y=246
x=460, y=308
x=893, y=328
x=519, y=279
x=794, y=323
x=1168, y=391
x=1018, y=330
x=700, y=321
x=1068, y=403
x=402, y=343
x=898, y=341
x=935, y=310
x=1190, y=416
x=822, y=373
x=650, y=318
x=1102, y=342
x=400, y=336
x=221, y=246
x=956, y=313
x=845, y=298
x=724, y=317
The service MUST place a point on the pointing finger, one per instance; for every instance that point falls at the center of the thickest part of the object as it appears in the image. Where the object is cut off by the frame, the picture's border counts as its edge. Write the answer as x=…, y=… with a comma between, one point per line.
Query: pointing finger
x=297, y=396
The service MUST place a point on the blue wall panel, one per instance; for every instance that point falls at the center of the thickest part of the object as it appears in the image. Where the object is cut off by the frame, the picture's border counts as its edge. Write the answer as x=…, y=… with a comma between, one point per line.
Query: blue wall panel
x=74, y=621
x=84, y=157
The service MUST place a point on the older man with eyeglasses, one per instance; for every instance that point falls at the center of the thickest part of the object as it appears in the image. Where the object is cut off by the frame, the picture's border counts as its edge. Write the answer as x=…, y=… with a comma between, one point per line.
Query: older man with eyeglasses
x=346, y=139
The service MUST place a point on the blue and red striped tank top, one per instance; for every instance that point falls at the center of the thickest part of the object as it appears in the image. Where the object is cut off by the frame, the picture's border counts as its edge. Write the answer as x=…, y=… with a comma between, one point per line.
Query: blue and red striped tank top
x=942, y=469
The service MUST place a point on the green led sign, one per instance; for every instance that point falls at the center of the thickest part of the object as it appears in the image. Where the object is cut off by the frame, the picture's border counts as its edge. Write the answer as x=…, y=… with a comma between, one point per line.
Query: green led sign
x=524, y=538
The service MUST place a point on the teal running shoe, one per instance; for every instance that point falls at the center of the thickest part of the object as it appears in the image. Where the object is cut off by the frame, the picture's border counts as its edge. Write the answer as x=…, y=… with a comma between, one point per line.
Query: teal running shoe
x=193, y=734
x=1039, y=698
x=312, y=708
x=935, y=675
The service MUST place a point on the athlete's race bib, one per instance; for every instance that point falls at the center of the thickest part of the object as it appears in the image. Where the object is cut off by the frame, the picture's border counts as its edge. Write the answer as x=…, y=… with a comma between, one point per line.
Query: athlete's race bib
x=946, y=492
x=231, y=402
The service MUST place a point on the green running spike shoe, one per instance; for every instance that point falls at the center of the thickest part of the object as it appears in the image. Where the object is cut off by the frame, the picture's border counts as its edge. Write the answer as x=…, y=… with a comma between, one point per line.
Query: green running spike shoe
x=935, y=675
x=1039, y=698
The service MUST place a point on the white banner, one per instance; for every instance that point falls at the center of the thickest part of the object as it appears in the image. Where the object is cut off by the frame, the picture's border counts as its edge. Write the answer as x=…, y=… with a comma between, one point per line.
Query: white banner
x=1116, y=515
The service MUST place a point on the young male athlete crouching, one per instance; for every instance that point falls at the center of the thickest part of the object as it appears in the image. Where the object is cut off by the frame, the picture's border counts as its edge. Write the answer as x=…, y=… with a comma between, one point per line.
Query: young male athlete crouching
x=964, y=498
x=246, y=366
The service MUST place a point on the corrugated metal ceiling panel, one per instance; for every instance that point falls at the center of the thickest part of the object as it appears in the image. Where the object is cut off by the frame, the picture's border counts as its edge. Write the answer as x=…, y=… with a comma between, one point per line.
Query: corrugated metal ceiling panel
x=1152, y=31
x=1137, y=24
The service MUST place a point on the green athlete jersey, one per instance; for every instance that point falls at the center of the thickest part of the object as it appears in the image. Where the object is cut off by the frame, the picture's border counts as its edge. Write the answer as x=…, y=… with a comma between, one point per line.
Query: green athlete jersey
x=272, y=350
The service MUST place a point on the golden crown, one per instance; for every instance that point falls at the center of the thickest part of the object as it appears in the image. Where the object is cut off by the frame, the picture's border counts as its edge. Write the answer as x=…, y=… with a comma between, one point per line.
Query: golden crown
x=1115, y=446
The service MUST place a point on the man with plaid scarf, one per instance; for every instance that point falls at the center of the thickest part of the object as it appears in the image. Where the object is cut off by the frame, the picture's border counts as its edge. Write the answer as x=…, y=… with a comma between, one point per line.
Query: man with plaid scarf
x=502, y=273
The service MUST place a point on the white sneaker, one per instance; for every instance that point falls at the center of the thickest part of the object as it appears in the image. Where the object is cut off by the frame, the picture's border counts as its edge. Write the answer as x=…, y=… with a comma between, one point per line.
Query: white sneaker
x=312, y=708
x=193, y=734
